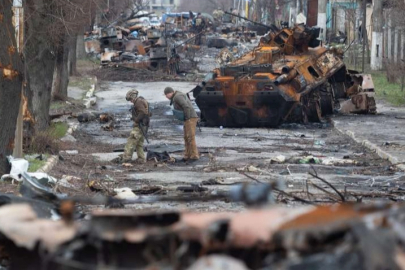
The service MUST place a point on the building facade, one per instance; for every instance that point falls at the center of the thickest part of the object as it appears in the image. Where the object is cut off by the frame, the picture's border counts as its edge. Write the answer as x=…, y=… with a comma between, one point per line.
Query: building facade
x=163, y=6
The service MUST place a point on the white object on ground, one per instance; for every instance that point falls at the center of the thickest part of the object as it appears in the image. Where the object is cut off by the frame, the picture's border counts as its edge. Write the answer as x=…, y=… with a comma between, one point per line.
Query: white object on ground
x=70, y=152
x=125, y=193
x=90, y=93
x=337, y=161
x=41, y=175
x=278, y=159
x=20, y=165
x=90, y=102
x=68, y=138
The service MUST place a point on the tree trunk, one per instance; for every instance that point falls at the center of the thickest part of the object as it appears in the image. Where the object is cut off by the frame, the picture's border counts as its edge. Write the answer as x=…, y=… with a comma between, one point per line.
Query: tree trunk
x=61, y=75
x=73, y=56
x=10, y=84
x=39, y=58
x=29, y=119
x=81, y=50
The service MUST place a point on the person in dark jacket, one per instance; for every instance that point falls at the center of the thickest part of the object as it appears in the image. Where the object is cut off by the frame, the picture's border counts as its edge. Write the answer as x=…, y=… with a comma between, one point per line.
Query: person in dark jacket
x=182, y=103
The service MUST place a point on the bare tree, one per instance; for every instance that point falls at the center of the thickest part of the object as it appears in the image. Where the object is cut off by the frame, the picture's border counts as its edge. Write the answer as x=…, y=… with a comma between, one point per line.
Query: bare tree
x=72, y=15
x=49, y=24
x=39, y=56
x=61, y=73
x=125, y=9
x=395, y=64
x=11, y=78
x=73, y=54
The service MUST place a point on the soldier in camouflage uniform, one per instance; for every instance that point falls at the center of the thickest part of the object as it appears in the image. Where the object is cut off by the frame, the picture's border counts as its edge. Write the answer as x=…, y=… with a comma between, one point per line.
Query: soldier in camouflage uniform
x=140, y=116
x=235, y=20
x=218, y=14
x=199, y=25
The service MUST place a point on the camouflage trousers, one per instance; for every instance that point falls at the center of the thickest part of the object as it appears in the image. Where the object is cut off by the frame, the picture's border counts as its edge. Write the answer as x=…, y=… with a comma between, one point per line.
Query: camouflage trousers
x=135, y=141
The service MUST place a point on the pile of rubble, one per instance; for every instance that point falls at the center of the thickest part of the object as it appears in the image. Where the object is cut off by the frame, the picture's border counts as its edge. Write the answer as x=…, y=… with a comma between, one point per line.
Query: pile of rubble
x=168, y=48
x=48, y=227
x=324, y=237
x=129, y=42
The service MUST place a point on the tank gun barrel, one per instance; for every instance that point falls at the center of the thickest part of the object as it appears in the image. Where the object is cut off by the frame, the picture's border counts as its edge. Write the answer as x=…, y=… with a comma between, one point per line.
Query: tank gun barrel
x=271, y=27
x=136, y=16
x=188, y=40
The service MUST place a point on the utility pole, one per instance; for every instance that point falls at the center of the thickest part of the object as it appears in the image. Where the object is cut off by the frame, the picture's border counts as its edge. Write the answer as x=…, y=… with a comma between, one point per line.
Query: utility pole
x=322, y=17
x=247, y=9
x=364, y=33
x=396, y=44
x=293, y=13
x=377, y=38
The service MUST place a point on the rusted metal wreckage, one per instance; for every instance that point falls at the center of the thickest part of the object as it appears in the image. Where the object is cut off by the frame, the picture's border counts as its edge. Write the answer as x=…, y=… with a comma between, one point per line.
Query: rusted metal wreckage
x=339, y=236
x=288, y=77
x=325, y=237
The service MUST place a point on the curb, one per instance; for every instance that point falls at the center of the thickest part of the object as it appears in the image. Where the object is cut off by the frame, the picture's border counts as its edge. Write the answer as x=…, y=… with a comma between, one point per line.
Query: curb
x=371, y=146
x=50, y=163
x=90, y=99
x=72, y=127
x=53, y=160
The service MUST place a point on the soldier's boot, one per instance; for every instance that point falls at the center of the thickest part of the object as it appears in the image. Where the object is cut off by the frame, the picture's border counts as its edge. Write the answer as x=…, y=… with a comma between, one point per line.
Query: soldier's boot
x=117, y=159
x=140, y=161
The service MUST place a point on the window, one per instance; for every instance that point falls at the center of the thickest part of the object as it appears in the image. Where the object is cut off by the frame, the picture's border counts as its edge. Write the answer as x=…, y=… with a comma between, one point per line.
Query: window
x=313, y=72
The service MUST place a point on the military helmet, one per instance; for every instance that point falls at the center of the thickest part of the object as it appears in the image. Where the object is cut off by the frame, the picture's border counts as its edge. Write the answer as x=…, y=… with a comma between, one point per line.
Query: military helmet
x=131, y=94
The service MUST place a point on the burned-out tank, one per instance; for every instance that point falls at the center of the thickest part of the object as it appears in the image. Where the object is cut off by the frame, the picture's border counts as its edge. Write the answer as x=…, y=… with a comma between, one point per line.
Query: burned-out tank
x=288, y=77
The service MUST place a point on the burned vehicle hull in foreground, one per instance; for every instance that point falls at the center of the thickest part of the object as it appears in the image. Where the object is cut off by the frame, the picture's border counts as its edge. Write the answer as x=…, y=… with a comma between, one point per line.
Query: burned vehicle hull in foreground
x=288, y=77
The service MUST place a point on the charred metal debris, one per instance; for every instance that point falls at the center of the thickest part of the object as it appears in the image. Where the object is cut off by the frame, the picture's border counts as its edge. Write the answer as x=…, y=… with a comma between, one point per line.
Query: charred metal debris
x=136, y=44
x=288, y=77
x=48, y=230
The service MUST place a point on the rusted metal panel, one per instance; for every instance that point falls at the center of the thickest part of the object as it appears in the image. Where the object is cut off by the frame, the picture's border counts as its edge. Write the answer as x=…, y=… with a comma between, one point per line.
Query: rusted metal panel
x=368, y=84
x=130, y=45
x=108, y=57
x=121, y=239
x=288, y=77
x=141, y=49
x=135, y=65
x=158, y=52
x=20, y=224
x=92, y=46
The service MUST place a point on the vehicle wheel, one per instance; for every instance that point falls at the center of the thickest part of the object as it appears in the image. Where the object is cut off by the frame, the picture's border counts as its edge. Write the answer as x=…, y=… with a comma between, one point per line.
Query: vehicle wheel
x=326, y=96
x=304, y=113
x=315, y=111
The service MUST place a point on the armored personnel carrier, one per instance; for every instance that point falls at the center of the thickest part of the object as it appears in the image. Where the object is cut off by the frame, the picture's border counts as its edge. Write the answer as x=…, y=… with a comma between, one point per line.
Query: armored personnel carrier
x=288, y=77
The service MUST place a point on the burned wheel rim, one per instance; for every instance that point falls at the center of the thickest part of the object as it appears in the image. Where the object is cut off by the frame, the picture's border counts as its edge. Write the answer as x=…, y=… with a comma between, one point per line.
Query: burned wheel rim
x=326, y=99
x=315, y=111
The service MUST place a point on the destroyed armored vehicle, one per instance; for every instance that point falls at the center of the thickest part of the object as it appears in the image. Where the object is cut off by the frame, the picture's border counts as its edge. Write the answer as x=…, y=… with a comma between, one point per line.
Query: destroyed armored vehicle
x=288, y=77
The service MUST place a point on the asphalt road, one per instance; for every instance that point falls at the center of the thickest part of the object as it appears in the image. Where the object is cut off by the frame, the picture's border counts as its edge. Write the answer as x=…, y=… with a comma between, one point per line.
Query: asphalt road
x=283, y=156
